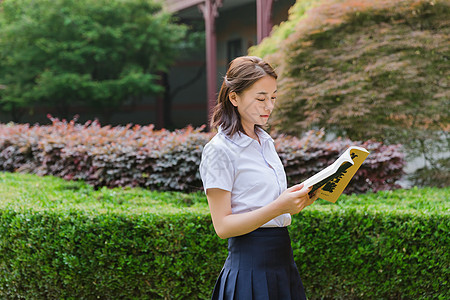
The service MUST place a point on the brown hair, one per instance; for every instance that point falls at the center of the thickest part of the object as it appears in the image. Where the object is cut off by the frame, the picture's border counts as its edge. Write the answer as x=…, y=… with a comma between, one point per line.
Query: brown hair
x=242, y=73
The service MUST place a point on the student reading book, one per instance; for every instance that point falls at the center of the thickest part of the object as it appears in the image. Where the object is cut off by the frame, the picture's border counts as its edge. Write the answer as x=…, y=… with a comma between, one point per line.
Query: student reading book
x=336, y=177
x=245, y=184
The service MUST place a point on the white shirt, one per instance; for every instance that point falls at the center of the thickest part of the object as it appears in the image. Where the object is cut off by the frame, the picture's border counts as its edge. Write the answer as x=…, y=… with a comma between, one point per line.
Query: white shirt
x=252, y=172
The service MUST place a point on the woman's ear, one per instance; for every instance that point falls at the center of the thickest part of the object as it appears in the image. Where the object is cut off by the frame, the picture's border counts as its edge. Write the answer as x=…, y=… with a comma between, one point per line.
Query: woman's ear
x=233, y=98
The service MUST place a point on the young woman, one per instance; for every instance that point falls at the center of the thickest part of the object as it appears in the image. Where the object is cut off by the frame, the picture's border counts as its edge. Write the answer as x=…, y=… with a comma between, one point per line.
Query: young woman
x=245, y=184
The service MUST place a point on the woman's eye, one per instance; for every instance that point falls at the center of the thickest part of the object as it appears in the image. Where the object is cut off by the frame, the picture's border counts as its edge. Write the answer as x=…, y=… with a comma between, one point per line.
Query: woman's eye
x=274, y=98
x=260, y=99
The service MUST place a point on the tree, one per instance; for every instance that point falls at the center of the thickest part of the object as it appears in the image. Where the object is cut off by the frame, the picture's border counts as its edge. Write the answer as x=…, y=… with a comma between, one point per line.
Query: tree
x=369, y=70
x=99, y=53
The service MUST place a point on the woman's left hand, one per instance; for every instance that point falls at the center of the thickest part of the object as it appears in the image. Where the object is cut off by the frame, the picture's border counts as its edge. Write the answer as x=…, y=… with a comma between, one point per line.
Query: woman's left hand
x=315, y=195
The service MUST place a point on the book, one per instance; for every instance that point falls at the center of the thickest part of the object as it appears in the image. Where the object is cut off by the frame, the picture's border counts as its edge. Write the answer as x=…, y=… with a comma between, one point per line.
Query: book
x=335, y=178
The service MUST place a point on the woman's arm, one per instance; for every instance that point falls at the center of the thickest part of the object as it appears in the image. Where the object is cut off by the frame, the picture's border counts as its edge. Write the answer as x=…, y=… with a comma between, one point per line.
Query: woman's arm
x=226, y=224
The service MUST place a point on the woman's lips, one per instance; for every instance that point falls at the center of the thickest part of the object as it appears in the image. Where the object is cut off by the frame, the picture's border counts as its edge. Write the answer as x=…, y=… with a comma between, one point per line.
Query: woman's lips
x=265, y=116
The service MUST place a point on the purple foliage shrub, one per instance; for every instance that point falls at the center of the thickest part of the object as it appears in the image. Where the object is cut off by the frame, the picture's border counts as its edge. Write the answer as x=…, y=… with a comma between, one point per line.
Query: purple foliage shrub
x=304, y=157
x=163, y=160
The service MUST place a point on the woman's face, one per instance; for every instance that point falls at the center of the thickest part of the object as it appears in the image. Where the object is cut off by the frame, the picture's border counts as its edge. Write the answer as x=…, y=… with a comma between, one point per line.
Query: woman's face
x=255, y=104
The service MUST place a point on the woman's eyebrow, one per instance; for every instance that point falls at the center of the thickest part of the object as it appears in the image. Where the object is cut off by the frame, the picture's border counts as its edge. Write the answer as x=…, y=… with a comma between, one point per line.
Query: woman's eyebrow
x=265, y=93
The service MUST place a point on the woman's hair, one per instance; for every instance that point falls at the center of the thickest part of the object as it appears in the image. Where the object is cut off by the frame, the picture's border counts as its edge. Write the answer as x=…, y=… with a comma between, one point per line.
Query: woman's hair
x=242, y=73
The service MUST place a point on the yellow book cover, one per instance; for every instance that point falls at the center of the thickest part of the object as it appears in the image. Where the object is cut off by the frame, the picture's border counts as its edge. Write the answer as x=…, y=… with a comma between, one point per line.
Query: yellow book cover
x=334, y=178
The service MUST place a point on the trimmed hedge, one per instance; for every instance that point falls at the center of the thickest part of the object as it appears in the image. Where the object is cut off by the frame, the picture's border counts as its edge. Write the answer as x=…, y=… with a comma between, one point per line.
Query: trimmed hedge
x=62, y=240
x=377, y=253
x=162, y=160
x=66, y=240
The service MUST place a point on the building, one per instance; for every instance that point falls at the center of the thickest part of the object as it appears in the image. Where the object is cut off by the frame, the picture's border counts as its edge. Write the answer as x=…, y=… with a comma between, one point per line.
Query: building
x=231, y=27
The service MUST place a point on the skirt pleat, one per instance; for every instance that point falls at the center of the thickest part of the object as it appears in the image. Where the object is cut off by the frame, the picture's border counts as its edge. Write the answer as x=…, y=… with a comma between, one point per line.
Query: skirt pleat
x=260, y=285
x=260, y=266
x=243, y=285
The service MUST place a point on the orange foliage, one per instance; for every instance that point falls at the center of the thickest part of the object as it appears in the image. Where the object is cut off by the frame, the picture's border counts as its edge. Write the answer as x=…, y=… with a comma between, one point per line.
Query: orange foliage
x=364, y=66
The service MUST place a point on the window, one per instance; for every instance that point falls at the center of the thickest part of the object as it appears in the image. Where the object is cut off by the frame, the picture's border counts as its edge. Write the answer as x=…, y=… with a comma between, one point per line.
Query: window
x=234, y=49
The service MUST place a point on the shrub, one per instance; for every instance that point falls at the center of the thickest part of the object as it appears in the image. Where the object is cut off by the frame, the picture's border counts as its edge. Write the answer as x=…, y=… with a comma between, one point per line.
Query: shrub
x=366, y=69
x=163, y=160
x=304, y=157
x=376, y=246
x=66, y=240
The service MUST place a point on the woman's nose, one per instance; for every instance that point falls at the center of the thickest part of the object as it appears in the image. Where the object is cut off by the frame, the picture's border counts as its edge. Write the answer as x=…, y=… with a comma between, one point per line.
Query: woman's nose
x=269, y=104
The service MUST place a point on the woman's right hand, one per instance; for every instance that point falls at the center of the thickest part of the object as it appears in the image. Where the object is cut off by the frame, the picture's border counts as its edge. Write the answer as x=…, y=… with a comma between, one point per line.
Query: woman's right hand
x=294, y=199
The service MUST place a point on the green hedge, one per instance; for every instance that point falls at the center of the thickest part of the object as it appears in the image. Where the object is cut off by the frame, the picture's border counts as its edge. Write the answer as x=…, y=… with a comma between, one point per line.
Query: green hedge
x=65, y=240
x=373, y=252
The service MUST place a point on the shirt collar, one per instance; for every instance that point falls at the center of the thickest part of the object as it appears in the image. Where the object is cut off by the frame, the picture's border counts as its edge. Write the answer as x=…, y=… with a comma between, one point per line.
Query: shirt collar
x=244, y=140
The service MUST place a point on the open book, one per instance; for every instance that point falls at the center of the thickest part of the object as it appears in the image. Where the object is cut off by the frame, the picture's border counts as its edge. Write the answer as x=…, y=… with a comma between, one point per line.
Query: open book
x=334, y=178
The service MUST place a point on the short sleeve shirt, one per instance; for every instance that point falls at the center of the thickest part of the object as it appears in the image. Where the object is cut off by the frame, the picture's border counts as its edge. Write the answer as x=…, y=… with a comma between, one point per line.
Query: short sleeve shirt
x=251, y=171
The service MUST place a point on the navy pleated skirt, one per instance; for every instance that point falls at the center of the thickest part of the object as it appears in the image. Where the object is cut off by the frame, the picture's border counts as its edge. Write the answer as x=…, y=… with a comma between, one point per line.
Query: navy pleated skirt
x=260, y=266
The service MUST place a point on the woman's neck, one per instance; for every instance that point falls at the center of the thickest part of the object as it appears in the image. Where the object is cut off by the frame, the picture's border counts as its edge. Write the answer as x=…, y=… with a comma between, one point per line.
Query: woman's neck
x=251, y=132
